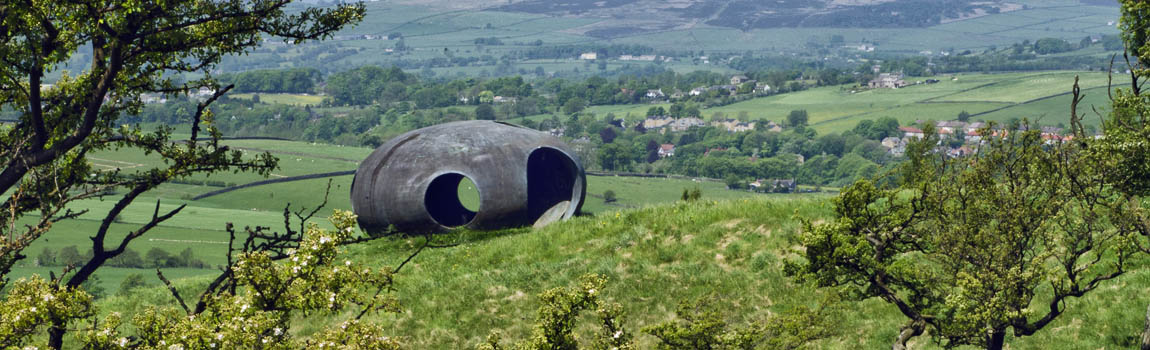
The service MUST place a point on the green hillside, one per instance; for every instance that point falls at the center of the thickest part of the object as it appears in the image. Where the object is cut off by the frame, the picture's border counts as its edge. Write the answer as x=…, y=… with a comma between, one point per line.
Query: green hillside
x=656, y=257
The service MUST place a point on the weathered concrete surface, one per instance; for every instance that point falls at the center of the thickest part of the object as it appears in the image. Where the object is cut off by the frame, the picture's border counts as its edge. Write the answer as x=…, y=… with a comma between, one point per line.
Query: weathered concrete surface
x=411, y=182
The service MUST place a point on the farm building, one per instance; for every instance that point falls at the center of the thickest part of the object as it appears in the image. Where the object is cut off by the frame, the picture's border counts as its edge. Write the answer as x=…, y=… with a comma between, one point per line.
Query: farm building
x=887, y=81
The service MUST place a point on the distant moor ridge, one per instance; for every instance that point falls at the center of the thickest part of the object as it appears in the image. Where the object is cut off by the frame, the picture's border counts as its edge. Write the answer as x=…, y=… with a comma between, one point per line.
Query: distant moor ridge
x=624, y=17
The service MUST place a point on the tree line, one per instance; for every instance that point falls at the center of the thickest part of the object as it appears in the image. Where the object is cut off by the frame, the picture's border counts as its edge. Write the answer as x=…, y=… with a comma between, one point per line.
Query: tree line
x=130, y=258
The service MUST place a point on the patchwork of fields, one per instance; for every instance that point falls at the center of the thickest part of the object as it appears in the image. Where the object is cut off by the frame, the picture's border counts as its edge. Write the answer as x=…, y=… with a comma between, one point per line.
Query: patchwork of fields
x=1042, y=96
x=431, y=28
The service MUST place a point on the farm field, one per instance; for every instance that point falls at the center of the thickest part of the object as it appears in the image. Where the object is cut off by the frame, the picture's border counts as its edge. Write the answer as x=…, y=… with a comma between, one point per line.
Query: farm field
x=286, y=99
x=1000, y=96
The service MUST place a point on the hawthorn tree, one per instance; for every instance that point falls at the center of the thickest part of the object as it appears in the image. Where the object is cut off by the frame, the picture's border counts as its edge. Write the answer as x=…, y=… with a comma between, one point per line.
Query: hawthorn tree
x=133, y=48
x=973, y=248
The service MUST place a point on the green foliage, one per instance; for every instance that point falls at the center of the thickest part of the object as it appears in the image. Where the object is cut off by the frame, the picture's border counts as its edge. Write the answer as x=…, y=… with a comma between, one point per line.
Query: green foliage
x=574, y=105
x=965, y=247
x=485, y=112
x=703, y=326
x=1047, y=46
x=557, y=318
x=32, y=303
x=269, y=295
x=130, y=283
x=691, y=194
x=797, y=118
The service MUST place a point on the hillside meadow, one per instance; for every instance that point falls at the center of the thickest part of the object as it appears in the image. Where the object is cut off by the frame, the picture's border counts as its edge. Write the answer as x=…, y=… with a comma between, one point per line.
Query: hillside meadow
x=731, y=251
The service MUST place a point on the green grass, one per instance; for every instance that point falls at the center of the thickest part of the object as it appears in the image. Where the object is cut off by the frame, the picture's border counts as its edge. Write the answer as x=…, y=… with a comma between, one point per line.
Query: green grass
x=655, y=257
x=286, y=99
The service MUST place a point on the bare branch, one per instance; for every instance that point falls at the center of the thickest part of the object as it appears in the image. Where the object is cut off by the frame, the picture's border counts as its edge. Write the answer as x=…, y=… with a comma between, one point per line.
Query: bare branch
x=172, y=289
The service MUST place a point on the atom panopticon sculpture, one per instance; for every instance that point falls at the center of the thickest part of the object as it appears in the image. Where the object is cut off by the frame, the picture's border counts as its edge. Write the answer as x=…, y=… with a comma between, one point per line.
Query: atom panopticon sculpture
x=523, y=177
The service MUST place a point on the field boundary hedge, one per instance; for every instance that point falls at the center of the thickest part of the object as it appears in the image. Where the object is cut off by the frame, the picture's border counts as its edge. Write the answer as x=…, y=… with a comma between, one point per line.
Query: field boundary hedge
x=274, y=181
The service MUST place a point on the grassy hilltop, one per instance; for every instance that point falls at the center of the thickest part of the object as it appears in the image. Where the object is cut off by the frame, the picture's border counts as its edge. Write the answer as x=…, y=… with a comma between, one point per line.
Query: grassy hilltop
x=656, y=257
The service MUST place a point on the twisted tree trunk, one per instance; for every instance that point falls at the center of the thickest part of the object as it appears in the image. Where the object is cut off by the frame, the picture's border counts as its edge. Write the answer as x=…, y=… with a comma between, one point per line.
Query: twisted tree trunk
x=1146, y=333
x=911, y=330
x=996, y=340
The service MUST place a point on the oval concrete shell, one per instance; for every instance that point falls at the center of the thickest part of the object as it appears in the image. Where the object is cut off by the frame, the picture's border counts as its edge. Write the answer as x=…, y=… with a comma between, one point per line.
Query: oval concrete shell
x=522, y=175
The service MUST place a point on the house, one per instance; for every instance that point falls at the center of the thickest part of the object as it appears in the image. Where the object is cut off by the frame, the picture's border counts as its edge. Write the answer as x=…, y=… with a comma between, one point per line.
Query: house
x=733, y=125
x=887, y=81
x=698, y=91
x=1050, y=138
x=682, y=124
x=656, y=122
x=973, y=136
x=762, y=88
x=502, y=99
x=975, y=126
x=590, y=56
x=557, y=132
x=666, y=150
x=959, y=152
x=725, y=123
x=677, y=95
x=891, y=142
x=648, y=58
x=775, y=186
x=739, y=79
x=909, y=132
x=655, y=94
x=945, y=133
x=951, y=126
x=772, y=126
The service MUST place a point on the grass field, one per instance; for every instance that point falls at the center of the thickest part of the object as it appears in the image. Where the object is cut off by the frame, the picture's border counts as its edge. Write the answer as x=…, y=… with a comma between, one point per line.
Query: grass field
x=1011, y=95
x=286, y=99
x=654, y=258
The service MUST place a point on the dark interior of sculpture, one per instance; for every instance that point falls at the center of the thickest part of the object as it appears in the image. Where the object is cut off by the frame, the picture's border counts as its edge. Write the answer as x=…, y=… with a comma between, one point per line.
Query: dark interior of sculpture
x=551, y=177
x=442, y=201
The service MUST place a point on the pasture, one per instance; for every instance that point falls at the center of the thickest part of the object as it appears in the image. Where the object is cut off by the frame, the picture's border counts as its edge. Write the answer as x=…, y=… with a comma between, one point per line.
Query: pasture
x=1000, y=96
x=285, y=99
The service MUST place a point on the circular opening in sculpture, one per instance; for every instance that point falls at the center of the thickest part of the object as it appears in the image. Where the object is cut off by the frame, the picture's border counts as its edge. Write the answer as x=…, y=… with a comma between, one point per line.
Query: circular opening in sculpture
x=468, y=194
x=442, y=200
x=552, y=179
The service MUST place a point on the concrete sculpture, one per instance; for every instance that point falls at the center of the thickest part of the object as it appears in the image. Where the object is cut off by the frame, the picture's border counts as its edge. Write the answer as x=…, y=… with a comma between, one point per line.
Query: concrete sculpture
x=523, y=177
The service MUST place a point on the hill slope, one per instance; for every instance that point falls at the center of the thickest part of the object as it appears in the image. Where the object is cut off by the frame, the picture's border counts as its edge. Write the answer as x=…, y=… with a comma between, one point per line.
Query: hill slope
x=656, y=257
